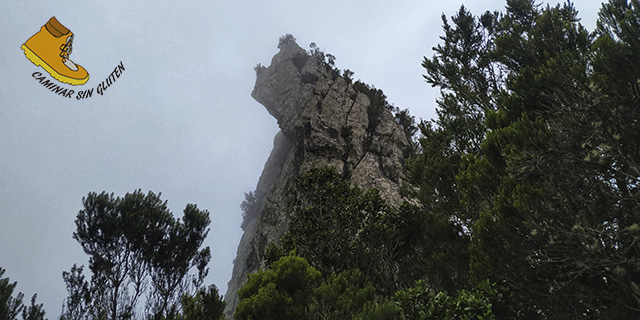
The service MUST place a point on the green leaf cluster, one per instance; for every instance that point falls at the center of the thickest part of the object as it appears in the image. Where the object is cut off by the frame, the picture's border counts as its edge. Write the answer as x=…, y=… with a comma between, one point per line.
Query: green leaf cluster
x=280, y=292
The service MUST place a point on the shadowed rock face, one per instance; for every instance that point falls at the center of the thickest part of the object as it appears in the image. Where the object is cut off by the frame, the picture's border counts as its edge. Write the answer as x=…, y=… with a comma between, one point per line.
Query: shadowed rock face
x=324, y=121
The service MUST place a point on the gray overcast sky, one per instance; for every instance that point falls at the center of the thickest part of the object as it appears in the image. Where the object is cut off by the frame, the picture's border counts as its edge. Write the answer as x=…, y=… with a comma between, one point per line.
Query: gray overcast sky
x=180, y=119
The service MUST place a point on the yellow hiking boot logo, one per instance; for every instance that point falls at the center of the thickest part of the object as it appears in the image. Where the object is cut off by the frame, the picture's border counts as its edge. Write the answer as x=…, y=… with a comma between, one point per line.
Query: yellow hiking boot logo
x=50, y=48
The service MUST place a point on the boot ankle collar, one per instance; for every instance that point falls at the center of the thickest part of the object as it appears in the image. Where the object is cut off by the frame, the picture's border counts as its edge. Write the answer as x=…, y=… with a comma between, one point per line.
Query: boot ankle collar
x=56, y=28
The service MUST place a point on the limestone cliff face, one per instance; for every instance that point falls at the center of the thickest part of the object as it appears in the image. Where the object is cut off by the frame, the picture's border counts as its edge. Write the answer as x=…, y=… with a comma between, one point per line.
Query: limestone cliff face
x=324, y=121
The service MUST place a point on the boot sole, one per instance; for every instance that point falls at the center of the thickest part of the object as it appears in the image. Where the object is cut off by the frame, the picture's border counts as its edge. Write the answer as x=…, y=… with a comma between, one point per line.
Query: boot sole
x=39, y=62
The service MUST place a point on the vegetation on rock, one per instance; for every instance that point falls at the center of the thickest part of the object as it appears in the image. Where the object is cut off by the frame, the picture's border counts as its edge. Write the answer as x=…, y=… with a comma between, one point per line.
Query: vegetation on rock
x=525, y=194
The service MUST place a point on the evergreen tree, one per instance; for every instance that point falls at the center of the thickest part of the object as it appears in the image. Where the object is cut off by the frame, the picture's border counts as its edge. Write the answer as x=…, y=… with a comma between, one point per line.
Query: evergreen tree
x=206, y=304
x=286, y=40
x=33, y=311
x=11, y=307
x=137, y=251
x=279, y=293
x=541, y=173
x=358, y=231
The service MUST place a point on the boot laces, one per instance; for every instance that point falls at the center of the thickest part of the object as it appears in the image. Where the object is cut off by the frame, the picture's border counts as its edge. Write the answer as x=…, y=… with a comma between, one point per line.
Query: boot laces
x=66, y=48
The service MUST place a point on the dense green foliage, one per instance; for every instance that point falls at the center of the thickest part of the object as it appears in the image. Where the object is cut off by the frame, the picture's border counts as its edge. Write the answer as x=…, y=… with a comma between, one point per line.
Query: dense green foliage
x=365, y=252
x=548, y=182
x=526, y=191
x=281, y=292
x=358, y=231
x=206, y=304
x=420, y=302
